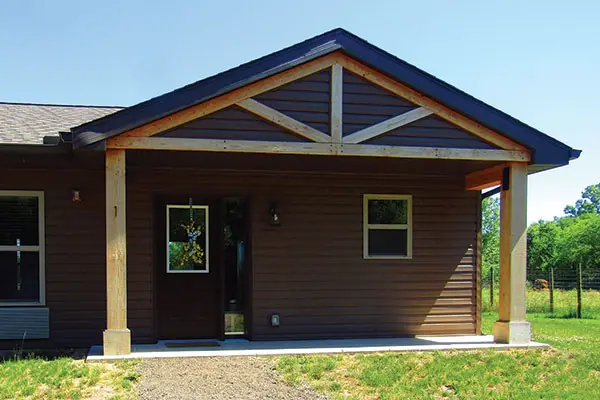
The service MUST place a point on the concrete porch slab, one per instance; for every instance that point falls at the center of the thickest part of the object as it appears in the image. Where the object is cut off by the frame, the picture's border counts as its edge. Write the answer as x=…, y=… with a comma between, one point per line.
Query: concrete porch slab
x=239, y=347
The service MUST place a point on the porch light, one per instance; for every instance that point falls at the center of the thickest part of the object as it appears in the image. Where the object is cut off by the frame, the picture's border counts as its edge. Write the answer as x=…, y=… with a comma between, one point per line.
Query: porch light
x=275, y=216
x=275, y=320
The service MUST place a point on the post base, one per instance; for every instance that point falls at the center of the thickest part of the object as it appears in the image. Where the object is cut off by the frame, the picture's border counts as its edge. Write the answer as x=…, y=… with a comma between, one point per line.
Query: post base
x=513, y=332
x=117, y=342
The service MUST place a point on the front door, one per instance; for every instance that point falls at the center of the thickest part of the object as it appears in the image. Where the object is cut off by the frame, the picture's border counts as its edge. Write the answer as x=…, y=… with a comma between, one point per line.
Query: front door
x=187, y=279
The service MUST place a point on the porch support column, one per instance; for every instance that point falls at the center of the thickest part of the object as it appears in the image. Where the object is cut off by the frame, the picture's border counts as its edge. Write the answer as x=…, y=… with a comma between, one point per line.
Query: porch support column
x=117, y=338
x=512, y=326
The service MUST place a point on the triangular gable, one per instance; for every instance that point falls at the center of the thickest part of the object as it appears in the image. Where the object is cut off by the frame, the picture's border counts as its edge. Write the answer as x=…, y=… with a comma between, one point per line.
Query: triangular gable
x=310, y=57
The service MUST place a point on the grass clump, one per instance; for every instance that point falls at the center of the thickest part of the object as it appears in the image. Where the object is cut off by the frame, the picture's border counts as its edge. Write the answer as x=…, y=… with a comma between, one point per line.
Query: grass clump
x=570, y=370
x=35, y=378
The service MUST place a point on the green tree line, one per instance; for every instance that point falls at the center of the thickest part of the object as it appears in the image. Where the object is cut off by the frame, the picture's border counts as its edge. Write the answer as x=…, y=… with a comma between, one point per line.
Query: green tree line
x=562, y=243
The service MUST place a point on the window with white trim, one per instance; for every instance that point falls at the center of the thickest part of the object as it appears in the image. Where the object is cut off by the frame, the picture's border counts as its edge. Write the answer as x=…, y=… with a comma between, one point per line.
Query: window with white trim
x=21, y=248
x=387, y=223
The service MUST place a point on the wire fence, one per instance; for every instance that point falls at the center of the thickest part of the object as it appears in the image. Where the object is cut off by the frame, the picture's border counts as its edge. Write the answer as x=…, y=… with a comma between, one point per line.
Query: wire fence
x=566, y=292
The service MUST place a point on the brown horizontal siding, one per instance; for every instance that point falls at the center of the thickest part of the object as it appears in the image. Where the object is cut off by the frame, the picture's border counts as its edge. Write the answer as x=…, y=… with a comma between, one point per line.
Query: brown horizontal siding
x=431, y=132
x=232, y=123
x=306, y=100
x=311, y=269
x=366, y=104
x=75, y=253
x=74, y=256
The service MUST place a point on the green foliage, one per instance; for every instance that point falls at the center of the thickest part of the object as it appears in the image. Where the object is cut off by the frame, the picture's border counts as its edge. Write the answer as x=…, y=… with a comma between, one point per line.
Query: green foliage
x=516, y=374
x=490, y=235
x=64, y=378
x=588, y=204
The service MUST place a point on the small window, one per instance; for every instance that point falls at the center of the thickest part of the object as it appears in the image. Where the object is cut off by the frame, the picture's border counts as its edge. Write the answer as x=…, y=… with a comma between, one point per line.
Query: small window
x=187, y=239
x=387, y=226
x=21, y=248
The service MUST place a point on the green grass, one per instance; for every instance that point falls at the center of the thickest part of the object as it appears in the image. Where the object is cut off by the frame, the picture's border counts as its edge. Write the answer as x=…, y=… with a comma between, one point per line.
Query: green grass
x=65, y=378
x=565, y=302
x=570, y=370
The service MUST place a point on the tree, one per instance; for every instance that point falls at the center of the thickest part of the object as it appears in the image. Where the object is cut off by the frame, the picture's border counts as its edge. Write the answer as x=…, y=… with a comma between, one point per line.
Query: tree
x=588, y=204
x=579, y=243
x=542, y=239
x=490, y=235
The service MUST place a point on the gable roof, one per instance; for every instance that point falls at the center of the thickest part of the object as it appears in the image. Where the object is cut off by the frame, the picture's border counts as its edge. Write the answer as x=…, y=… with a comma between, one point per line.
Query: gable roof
x=546, y=151
x=25, y=123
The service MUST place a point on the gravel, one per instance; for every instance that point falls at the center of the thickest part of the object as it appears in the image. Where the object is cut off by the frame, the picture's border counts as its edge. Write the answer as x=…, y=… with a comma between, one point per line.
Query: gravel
x=216, y=378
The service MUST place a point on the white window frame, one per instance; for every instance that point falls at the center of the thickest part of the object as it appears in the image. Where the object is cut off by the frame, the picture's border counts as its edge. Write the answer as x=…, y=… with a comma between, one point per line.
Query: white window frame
x=40, y=248
x=367, y=226
x=197, y=271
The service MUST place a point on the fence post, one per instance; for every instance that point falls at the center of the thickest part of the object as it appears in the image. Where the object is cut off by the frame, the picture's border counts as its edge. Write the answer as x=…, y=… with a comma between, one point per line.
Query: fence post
x=579, y=284
x=492, y=286
x=551, y=290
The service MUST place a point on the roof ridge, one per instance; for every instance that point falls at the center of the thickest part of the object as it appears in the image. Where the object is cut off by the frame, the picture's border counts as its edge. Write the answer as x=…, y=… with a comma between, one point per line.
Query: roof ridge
x=57, y=105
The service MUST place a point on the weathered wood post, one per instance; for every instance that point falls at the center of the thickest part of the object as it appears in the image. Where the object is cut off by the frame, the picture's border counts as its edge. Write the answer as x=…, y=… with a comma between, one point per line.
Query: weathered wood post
x=117, y=338
x=512, y=327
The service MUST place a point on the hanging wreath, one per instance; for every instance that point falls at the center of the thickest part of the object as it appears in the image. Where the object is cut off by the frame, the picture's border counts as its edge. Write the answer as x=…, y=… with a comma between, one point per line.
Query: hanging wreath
x=192, y=252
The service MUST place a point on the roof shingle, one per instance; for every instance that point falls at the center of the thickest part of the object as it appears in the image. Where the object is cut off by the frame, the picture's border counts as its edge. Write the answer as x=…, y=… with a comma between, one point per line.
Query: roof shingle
x=23, y=123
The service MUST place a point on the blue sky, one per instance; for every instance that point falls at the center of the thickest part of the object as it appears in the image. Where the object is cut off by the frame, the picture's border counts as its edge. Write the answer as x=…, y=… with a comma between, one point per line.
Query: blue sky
x=536, y=60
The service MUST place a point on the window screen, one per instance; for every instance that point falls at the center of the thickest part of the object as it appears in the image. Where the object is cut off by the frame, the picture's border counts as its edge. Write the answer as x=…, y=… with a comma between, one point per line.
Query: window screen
x=21, y=249
x=387, y=226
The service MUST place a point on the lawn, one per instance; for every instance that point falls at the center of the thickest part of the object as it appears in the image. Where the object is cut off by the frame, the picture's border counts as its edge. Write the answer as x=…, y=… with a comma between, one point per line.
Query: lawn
x=570, y=370
x=65, y=378
x=565, y=302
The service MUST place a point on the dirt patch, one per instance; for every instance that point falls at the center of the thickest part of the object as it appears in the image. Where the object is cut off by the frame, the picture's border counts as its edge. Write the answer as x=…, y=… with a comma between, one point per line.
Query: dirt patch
x=216, y=378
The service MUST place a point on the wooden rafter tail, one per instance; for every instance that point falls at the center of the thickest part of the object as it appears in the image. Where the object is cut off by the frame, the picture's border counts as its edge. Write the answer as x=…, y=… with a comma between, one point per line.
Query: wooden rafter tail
x=229, y=99
x=337, y=88
x=388, y=125
x=283, y=120
x=415, y=97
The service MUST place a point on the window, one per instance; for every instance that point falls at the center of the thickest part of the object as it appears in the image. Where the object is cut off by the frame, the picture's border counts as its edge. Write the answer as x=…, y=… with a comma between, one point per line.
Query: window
x=21, y=248
x=187, y=239
x=387, y=226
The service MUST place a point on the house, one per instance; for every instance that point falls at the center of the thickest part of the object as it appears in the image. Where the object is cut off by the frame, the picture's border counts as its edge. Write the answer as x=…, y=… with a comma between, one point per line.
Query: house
x=328, y=190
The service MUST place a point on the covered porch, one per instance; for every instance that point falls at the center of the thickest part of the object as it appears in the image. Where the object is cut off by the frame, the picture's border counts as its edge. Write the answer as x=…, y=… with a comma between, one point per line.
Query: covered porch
x=240, y=347
x=487, y=160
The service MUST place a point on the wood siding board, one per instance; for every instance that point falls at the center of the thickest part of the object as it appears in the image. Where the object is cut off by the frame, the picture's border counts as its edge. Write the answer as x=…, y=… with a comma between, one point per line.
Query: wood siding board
x=232, y=123
x=366, y=104
x=303, y=199
x=443, y=268
x=306, y=100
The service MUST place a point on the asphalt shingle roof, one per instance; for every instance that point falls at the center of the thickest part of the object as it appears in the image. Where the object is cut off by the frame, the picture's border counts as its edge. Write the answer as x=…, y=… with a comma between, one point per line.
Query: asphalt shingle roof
x=22, y=123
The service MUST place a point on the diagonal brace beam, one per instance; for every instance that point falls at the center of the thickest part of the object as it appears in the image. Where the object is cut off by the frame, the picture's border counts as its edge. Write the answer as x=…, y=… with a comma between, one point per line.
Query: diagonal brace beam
x=283, y=120
x=387, y=125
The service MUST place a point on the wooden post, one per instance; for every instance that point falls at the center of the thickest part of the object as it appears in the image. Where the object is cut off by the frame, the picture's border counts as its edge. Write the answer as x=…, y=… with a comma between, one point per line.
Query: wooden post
x=117, y=338
x=512, y=326
x=337, y=88
x=551, y=290
x=579, y=285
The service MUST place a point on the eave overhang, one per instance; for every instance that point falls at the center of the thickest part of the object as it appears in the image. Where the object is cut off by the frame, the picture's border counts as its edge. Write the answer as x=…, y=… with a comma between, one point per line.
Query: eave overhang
x=546, y=152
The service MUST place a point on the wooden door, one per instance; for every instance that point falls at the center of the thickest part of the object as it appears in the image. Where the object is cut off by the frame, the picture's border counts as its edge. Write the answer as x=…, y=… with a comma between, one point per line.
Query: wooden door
x=187, y=272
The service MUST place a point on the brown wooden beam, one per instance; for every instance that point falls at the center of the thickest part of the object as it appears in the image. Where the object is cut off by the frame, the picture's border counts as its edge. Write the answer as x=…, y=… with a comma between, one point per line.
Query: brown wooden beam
x=253, y=146
x=417, y=98
x=512, y=326
x=117, y=338
x=485, y=178
x=229, y=99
